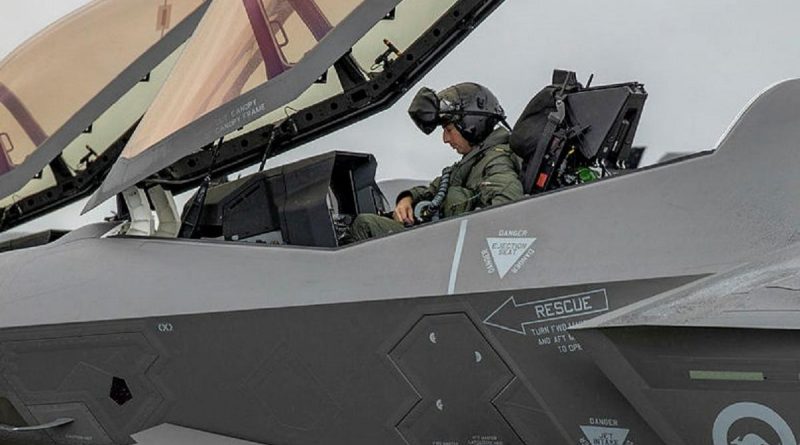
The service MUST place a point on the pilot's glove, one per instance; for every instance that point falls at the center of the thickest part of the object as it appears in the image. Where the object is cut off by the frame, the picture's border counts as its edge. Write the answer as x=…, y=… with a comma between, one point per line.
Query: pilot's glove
x=404, y=211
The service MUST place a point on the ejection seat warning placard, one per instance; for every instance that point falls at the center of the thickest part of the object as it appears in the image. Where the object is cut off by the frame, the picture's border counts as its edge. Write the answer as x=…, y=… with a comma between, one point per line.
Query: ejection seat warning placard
x=549, y=320
x=507, y=252
x=604, y=431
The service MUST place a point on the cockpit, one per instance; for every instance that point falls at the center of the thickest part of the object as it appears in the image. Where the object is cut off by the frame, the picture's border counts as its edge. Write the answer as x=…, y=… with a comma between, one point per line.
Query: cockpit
x=568, y=135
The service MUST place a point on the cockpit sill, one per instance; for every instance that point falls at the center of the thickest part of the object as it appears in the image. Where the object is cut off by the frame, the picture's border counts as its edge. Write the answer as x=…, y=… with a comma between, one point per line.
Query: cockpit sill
x=112, y=231
x=115, y=232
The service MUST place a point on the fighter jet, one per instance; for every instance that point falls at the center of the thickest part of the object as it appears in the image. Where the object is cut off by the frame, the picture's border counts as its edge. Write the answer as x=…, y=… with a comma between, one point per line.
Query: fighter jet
x=613, y=305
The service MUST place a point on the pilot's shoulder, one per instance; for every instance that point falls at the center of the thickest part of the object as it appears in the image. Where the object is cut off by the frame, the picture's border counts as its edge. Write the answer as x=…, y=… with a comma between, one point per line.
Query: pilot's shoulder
x=499, y=152
x=501, y=156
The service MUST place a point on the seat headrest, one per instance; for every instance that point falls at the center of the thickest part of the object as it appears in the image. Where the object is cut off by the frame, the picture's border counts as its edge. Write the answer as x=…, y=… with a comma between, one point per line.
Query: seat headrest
x=530, y=125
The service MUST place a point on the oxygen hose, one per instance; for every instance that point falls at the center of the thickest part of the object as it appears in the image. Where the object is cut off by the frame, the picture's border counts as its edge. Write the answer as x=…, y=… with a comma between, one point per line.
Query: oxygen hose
x=444, y=184
x=429, y=210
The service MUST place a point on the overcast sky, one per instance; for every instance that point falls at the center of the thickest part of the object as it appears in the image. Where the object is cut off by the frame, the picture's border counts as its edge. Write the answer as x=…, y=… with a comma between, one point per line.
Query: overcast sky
x=701, y=63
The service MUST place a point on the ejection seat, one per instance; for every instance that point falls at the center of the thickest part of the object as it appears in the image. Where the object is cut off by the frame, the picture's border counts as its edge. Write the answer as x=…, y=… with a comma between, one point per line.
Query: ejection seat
x=569, y=134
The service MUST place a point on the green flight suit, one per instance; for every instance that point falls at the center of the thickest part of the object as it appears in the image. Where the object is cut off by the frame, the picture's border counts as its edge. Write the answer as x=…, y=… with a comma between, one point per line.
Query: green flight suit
x=486, y=176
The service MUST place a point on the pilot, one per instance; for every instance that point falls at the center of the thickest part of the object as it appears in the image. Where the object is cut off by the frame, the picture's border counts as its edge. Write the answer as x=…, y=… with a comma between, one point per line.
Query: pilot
x=487, y=173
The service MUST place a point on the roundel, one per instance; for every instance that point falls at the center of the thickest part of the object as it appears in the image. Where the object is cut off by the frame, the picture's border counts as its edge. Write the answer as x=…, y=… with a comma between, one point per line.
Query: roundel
x=750, y=410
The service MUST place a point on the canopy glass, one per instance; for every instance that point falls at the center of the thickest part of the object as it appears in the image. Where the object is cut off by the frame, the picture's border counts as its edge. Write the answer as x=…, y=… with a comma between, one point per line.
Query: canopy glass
x=56, y=84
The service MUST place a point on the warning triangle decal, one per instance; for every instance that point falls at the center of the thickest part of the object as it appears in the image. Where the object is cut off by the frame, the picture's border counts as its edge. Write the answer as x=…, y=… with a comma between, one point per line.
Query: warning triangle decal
x=507, y=251
x=598, y=435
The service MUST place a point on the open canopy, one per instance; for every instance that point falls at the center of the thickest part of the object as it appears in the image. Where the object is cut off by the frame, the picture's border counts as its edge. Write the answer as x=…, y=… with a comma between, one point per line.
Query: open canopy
x=58, y=83
x=246, y=59
x=284, y=67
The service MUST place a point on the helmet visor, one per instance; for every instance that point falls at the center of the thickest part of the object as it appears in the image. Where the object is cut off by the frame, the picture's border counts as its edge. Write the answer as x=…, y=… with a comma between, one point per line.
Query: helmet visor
x=424, y=110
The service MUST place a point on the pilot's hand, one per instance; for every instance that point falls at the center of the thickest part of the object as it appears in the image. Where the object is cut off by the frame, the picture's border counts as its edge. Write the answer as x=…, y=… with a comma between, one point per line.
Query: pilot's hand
x=404, y=212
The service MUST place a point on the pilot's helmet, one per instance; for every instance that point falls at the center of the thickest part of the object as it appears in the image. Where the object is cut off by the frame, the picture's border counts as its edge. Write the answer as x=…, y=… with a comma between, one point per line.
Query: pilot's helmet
x=472, y=108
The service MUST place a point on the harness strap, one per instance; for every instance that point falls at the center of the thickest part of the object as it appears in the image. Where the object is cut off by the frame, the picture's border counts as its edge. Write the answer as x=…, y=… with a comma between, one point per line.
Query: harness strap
x=534, y=161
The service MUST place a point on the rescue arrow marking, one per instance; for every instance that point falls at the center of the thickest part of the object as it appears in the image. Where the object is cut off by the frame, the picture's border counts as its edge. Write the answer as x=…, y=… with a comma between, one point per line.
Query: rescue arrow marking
x=511, y=314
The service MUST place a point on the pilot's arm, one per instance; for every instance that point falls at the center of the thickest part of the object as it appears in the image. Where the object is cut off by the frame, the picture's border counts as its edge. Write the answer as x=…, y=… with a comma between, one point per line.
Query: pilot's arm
x=404, y=208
